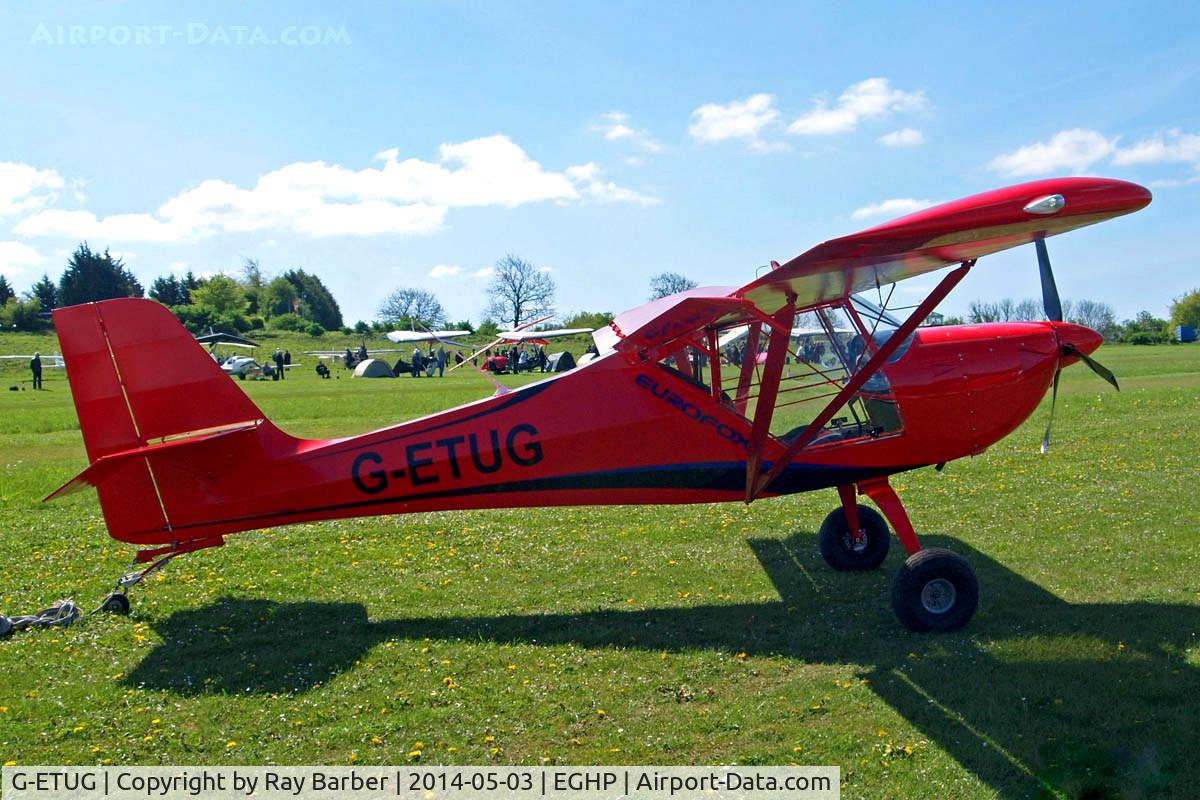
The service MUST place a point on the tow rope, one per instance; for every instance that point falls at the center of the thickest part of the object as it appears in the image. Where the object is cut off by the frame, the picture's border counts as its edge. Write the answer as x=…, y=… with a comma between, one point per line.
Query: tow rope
x=62, y=613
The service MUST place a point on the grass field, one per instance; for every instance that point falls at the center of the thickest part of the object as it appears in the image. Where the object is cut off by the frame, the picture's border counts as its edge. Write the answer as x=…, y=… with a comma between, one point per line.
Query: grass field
x=676, y=635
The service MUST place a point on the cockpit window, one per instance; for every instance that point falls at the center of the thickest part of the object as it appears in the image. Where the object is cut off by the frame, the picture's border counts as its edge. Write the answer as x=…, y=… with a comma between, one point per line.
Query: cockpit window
x=825, y=349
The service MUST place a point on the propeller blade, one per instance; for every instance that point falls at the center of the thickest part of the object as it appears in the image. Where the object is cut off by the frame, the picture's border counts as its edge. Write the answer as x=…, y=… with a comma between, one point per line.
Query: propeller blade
x=1096, y=366
x=1050, y=301
x=1053, y=402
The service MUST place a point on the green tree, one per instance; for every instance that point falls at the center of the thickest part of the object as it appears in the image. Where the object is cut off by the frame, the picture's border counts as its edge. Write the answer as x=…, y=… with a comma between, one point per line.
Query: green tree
x=169, y=291
x=589, y=319
x=1145, y=328
x=222, y=296
x=1186, y=309
x=46, y=291
x=189, y=284
x=22, y=315
x=253, y=283
x=318, y=303
x=278, y=298
x=6, y=291
x=90, y=276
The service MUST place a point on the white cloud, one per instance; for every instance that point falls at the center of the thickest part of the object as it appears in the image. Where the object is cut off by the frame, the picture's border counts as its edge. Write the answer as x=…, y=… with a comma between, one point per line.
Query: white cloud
x=408, y=197
x=894, y=207
x=25, y=188
x=1074, y=150
x=177, y=267
x=16, y=257
x=587, y=178
x=740, y=119
x=1176, y=147
x=485, y=272
x=615, y=126
x=445, y=271
x=873, y=97
x=905, y=137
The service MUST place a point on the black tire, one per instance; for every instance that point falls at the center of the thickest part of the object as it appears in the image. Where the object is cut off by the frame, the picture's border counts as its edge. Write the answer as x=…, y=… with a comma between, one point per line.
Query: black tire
x=116, y=604
x=935, y=590
x=839, y=553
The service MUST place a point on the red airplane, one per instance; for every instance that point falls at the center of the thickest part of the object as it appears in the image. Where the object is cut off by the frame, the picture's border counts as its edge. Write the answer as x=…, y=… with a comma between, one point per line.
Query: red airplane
x=664, y=414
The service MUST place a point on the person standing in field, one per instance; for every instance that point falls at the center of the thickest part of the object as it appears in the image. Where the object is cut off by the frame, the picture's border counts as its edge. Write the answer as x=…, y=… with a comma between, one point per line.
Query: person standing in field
x=35, y=366
x=279, y=362
x=441, y=362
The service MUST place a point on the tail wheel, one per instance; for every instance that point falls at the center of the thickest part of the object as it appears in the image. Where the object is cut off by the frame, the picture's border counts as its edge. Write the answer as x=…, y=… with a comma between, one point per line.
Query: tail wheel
x=116, y=603
x=935, y=590
x=864, y=550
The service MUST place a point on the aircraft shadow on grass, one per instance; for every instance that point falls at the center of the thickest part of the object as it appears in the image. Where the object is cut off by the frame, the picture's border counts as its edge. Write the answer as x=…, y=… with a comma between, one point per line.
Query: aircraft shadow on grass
x=1009, y=698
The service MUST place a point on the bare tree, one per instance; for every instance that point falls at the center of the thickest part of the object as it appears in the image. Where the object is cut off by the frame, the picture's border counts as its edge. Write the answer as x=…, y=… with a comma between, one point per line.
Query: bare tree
x=1026, y=310
x=406, y=307
x=668, y=283
x=1004, y=310
x=1100, y=317
x=519, y=292
x=979, y=311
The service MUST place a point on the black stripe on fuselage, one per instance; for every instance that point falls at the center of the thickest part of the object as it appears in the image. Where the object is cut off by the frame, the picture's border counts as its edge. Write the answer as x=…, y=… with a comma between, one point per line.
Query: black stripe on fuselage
x=719, y=476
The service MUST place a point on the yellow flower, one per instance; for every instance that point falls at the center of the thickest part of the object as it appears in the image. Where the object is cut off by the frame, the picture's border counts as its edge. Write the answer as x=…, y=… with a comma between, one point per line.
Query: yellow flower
x=78, y=728
x=10, y=763
x=352, y=757
x=376, y=740
x=155, y=721
x=231, y=743
x=3, y=709
x=600, y=712
x=740, y=656
x=414, y=755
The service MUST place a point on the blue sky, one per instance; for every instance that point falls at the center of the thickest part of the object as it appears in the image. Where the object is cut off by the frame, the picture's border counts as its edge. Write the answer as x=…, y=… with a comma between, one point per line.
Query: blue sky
x=413, y=144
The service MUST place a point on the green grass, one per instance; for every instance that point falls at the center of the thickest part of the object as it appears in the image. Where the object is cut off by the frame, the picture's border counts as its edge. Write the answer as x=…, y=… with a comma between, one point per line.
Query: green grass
x=672, y=635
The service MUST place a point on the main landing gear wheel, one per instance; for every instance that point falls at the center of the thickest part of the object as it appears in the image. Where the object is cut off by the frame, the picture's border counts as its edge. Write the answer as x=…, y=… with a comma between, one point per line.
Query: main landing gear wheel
x=116, y=603
x=935, y=590
x=845, y=552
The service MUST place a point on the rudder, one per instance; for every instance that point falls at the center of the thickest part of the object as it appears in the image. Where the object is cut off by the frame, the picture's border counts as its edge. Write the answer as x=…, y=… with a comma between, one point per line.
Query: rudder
x=138, y=378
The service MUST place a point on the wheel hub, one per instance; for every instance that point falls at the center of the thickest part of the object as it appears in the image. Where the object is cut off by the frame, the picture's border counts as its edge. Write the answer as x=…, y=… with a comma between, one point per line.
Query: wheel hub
x=856, y=542
x=938, y=596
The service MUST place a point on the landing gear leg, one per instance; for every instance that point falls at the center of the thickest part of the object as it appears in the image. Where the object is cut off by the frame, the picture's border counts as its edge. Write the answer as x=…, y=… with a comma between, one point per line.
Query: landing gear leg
x=935, y=589
x=853, y=537
x=117, y=601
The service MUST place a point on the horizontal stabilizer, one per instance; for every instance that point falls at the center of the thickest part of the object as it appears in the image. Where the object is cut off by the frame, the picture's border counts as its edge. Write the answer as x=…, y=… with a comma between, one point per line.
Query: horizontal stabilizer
x=106, y=466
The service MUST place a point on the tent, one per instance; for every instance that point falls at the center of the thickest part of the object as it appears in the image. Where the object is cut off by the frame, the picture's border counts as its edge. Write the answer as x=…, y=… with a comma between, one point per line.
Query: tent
x=373, y=368
x=560, y=362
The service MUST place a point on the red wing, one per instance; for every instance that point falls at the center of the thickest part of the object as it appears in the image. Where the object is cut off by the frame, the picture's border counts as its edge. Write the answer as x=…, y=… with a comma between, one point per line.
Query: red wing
x=667, y=318
x=937, y=237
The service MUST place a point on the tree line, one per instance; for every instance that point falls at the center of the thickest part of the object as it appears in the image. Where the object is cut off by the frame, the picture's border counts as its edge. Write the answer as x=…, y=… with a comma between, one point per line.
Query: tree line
x=518, y=292
x=1144, y=328
x=293, y=300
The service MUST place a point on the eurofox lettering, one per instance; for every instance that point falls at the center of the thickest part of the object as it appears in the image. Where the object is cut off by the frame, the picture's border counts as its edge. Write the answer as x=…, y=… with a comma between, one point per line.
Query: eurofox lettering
x=692, y=411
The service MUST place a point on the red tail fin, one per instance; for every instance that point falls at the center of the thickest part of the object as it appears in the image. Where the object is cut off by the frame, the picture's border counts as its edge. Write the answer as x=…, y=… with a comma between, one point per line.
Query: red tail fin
x=139, y=379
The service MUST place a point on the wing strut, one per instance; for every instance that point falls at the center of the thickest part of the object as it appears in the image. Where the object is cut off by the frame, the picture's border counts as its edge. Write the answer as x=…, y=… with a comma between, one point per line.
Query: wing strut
x=768, y=389
x=756, y=484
